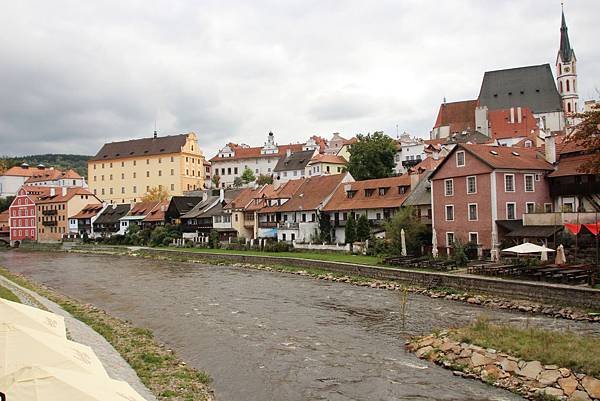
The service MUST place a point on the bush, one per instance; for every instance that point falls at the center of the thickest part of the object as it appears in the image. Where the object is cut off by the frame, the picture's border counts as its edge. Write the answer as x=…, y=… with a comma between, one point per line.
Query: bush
x=277, y=247
x=213, y=240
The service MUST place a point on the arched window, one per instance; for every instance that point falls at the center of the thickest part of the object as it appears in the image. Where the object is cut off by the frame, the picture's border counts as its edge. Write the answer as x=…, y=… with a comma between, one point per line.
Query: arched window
x=559, y=69
x=561, y=87
x=569, y=107
x=568, y=85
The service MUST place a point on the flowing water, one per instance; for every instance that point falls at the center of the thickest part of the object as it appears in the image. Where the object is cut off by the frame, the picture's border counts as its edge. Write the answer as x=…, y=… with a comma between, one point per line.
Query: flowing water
x=272, y=336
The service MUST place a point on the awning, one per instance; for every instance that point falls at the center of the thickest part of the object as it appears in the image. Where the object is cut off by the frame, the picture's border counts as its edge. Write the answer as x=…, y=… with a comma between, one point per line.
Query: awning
x=527, y=247
x=534, y=231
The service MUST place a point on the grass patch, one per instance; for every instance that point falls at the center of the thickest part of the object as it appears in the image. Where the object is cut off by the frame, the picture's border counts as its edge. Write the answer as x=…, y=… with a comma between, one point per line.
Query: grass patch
x=158, y=368
x=566, y=349
x=5, y=293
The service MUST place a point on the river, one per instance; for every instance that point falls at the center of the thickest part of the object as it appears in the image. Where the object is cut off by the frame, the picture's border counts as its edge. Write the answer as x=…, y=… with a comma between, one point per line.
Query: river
x=273, y=336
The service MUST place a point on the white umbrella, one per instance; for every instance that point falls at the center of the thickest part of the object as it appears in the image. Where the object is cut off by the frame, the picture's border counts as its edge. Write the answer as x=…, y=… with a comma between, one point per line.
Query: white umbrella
x=33, y=318
x=403, y=242
x=434, y=246
x=527, y=247
x=21, y=347
x=560, y=255
x=51, y=384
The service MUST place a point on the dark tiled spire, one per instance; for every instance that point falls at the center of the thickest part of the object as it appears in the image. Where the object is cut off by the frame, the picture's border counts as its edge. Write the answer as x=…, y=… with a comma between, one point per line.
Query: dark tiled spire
x=566, y=53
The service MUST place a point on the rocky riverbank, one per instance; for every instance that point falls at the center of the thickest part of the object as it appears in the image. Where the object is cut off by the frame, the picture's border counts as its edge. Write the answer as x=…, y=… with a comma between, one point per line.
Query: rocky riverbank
x=531, y=379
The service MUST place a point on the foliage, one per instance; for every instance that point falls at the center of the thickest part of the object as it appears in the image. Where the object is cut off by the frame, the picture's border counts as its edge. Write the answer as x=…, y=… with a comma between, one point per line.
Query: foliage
x=3, y=165
x=238, y=182
x=350, y=230
x=372, y=156
x=5, y=203
x=156, y=194
x=378, y=247
x=324, y=227
x=264, y=179
x=7, y=294
x=459, y=255
x=216, y=179
x=415, y=232
x=60, y=161
x=363, y=231
x=587, y=135
x=214, y=242
x=248, y=175
x=277, y=247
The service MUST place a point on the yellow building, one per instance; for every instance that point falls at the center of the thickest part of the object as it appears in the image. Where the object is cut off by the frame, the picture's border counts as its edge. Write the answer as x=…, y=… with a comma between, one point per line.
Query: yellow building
x=123, y=172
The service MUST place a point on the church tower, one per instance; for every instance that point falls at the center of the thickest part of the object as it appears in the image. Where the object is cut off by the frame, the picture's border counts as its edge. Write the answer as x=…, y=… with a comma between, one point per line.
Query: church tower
x=566, y=71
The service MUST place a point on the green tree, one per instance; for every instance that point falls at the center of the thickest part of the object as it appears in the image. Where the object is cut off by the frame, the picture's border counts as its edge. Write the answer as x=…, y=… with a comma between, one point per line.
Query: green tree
x=213, y=239
x=216, y=179
x=264, y=179
x=325, y=227
x=6, y=202
x=238, y=182
x=350, y=230
x=363, y=231
x=248, y=175
x=587, y=135
x=415, y=232
x=372, y=156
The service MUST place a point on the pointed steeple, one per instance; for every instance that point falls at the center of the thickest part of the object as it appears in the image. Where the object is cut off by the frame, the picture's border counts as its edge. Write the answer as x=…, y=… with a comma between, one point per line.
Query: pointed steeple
x=565, y=52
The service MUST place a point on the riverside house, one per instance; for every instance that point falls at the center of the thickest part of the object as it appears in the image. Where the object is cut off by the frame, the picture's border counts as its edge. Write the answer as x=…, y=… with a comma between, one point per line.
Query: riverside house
x=23, y=213
x=481, y=191
x=81, y=223
x=108, y=222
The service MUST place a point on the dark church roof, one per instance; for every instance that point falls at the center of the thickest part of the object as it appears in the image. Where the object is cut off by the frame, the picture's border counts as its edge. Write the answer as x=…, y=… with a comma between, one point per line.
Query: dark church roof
x=531, y=87
x=295, y=161
x=141, y=147
x=112, y=214
x=566, y=53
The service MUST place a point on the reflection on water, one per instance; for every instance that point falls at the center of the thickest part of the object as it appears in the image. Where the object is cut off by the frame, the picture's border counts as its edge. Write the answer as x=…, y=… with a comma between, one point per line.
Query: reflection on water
x=271, y=336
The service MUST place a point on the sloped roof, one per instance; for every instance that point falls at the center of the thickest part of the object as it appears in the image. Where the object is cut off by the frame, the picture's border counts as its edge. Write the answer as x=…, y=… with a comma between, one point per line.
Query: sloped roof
x=199, y=209
x=502, y=128
x=254, y=152
x=360, y=201
x=141, y=147
x=327, y=158
x=295, y=161
x=89, y=211
x=157, y=213
x=531, y=86
x=183, y=204
x=113, y=213
x=505, y=157
x=310, y=194
x=18, y=171
x=59, y=197
x=421, y=193
x=567, y=166
x=459, y=116
x=565, y=52
x=243, y=198
x=427, y=164
x=53, y=175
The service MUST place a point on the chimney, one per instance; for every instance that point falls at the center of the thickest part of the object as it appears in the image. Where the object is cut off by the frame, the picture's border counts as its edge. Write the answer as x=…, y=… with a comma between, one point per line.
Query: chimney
x=519, y=115
x=64, y=191
x=550, y=148
x=414, y=180
x=512, y=115
x=53, y=191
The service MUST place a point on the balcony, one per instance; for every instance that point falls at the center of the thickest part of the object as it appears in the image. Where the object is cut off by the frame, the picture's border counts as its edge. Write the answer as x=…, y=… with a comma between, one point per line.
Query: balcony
x=268, y=224
x=587, y=188
x=288, y=225
x=49, y=212
x=410, y=163
x=559, y=218
x=50, y=223
x=249, y=223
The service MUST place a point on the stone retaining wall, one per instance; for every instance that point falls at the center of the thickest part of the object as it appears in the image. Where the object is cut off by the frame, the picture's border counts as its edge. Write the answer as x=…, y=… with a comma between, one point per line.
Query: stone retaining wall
x=553, y=294
x=528, y=378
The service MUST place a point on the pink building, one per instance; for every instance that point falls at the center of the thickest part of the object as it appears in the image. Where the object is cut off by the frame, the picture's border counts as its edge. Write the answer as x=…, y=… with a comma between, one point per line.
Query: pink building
x=477, y=188
x=22, y=213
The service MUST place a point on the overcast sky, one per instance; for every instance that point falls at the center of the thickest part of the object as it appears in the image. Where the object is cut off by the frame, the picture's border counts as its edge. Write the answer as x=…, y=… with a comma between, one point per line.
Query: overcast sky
x=76, y=74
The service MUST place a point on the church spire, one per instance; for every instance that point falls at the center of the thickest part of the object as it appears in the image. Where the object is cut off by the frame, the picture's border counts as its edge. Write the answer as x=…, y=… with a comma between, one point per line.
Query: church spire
x=566, y=53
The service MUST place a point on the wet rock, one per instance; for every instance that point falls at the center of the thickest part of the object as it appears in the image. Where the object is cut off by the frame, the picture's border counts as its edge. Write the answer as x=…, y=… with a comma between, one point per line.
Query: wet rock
x=592, y=386
x=531, y=370
x=579, y=396
x=568, y=384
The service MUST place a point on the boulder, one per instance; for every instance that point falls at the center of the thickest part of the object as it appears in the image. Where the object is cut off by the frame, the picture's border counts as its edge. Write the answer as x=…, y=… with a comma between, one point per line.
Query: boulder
x=592, y=386
x=551, y=391
x=465, y=353
x=564, y=372
x=549, y=377
x=531, y=370
x=508, y=365
x=568, y=384
x=422, y=352
x=446, y=346
x=493, y=371
x=426, y=341
x=579, y=396
x=478, y=360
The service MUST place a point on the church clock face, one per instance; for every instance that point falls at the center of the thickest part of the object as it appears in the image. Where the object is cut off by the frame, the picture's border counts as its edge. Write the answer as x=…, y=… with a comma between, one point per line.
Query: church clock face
x=567, y=69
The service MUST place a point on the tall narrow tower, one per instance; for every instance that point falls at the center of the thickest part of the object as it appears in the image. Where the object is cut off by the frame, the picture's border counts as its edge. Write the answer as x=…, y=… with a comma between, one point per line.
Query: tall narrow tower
x=566, y=71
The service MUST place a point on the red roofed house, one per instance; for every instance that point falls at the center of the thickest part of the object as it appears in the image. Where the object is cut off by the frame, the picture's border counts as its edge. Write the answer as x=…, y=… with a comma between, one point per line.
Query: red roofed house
x=477, y=186
x=82, y=222
x=379, y=199
x=296, y=219
x=14, y=178
x=156, y=217
x=51, y=177
x=453, y=118
x=23, y=213
x=323, y=164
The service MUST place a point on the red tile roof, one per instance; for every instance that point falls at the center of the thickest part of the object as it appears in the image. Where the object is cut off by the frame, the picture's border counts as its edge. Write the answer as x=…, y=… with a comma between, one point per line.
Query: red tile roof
x=502, y=128
x=157, y=214
x=460, y=116
x=71, y=192
x=18, y=171
x=327, y=158
x=142, y=208
x=508, y=158
x=253, y=153
x=360, y=201
x=53, y=175
x=427, y=164
x=569, y=165
x=310, y=194
x=141, y=147
x=89, y=211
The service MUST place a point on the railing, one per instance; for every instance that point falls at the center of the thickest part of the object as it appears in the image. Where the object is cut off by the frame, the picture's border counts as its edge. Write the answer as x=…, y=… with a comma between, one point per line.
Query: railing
x=559, y=218
x=410, y=163
x=289, y=225
x=49, y=212
x=50, y=223
x=267, y=224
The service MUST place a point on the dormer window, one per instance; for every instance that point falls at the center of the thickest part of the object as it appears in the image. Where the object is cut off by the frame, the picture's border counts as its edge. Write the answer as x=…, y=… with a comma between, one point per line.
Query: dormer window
x=350, y=194
x=402, y=189
x=369, y=192
x=383, y=191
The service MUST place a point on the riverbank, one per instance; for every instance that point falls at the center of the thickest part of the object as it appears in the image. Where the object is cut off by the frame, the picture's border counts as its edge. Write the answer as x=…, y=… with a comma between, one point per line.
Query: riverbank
x=535, y=363
x=167, y=377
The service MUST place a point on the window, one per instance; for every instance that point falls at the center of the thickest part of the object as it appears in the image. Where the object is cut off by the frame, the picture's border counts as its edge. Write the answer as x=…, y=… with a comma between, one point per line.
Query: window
x=122, y=176
x=122, y=164
x=159, y=160
x=350, y=194
x=102, y=177
x=160, y=173
x=529, y=187
x=449, y=212
x=147, y=174
x=460, y=158
x=511, y=210
x=509, y=182
x=383, y=191
x=538, y=177
x=110, y=165
x=530, y=207
x=102, y=191
x=449, y=239
x=110, y=191
x=122, y=190
x=369, y=192
x=134, y=174
x=474, y=237
x=135, y=162
x=547, y=207
x=471, y=185
x=228, y=171
x=235, y=170
x=449, y=187
x=147, y=161
x=472, y=211
x=134, y=189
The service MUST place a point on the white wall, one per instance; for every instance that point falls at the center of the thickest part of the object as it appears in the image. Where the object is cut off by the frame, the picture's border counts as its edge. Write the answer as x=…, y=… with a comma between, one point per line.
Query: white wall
x=263, y=165
x=9, y=185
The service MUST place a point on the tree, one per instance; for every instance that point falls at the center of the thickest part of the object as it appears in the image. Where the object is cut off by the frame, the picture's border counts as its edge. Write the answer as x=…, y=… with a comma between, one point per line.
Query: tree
x=587, y=135
x=363, y=231
x=372, y=157
x=238, y=182
x=324, y=227
x=350, y=230
x=216, y=179
x=6, y=202
x=264, y=179
x=415, y=232
x=156, y=194
x=248, y=175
